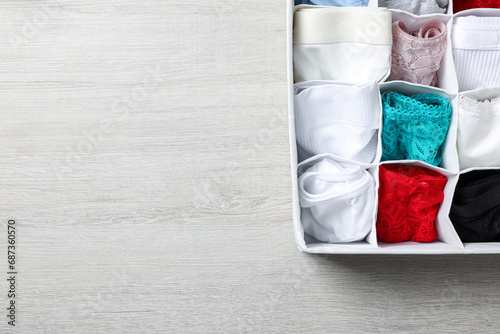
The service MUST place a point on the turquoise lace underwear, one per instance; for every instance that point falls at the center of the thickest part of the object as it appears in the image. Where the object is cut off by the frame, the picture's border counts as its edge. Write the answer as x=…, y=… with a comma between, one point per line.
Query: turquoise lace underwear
x=415, y=126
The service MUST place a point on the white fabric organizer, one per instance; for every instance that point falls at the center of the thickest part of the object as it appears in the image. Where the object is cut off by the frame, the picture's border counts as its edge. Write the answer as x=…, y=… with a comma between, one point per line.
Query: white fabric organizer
x=452, y=164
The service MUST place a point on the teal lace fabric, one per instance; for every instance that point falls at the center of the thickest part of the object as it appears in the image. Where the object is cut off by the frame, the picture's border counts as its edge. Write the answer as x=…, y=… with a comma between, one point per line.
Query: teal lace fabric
x=414, y=127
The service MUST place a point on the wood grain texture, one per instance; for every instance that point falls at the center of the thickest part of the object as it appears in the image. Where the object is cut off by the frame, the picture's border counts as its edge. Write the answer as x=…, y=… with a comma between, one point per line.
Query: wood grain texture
x=144, y=156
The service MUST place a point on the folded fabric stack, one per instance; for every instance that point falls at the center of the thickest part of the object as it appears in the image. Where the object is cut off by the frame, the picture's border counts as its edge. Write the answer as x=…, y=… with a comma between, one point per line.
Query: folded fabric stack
x=476, y=206
x=337, y=200
x=414, y=127
x=349, y=44
x=478, y=136
x=340, y=54
x=337, y=118
x=417, y=55
x=409, y=199
x=476, y=51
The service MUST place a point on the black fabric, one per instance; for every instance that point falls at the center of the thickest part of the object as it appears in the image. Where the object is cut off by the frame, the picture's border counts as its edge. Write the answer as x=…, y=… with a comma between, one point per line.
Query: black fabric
x=475, y=211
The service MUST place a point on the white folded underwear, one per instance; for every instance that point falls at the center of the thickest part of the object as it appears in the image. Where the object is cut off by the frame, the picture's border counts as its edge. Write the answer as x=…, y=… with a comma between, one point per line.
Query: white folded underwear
x=337, y=200
x=476, y=51
x=349, y=44
x=478, y=139
x=338, y=118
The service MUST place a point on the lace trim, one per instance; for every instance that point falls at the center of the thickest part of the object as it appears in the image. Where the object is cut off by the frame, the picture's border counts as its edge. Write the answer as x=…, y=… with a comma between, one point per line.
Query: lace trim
x=432, y=105
x=473, y=109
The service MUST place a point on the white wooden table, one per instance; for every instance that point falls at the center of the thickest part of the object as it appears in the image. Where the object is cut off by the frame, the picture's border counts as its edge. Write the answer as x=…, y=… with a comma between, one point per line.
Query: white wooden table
x=145, y=161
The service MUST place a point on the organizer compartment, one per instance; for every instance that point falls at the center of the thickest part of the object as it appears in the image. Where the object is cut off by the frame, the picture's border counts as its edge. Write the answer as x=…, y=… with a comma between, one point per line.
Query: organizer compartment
x=476, y=205
x=478, y=139
x=446, y=73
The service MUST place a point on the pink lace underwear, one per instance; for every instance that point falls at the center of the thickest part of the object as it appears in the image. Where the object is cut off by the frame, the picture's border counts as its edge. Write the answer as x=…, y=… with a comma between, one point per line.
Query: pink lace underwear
x=417, y=55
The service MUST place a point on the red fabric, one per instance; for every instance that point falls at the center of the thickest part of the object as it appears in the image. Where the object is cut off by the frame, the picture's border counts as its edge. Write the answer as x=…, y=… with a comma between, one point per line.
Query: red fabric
x=409, y=199
x=459, y=5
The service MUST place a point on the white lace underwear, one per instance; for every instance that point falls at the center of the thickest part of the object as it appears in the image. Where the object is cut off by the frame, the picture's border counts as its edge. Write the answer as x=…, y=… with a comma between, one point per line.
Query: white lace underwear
x=478, y=138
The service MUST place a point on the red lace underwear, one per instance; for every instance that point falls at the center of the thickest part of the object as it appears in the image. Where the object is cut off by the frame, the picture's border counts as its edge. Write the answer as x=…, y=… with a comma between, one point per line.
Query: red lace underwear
x=459, y=5
x=409, y=199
